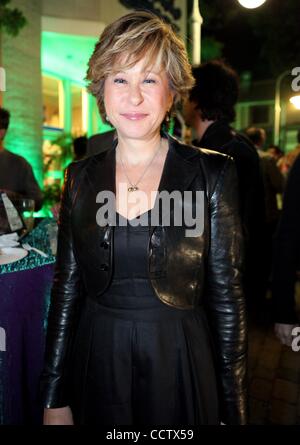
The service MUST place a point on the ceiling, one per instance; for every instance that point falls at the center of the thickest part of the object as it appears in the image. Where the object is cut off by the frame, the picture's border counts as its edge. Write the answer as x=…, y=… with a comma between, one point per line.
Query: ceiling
x=65, y=55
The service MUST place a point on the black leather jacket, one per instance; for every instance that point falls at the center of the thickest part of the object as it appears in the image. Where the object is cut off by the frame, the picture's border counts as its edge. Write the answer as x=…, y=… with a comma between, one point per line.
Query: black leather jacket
x=184, y=271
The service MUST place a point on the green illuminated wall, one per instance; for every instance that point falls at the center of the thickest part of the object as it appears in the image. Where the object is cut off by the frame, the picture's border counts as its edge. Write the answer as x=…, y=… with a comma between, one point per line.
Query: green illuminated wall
x=24, y=58
x=66, y=57
x=23, y=98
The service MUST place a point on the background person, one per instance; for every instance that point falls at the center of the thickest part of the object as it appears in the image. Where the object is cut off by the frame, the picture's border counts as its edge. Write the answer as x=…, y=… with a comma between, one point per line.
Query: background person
x=79, y=148
x=16, y=175
x=210, y=110
x=273, y=186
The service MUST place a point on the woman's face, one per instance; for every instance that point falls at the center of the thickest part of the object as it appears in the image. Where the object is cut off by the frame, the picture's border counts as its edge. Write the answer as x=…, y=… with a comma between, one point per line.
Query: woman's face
x=137, y=99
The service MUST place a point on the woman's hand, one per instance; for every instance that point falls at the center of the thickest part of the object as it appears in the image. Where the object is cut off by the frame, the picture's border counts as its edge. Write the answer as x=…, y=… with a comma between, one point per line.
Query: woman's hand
x=58, y=416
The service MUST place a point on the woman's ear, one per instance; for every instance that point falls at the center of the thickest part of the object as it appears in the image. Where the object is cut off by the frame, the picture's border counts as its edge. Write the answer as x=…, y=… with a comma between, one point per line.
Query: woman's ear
x=171, y=99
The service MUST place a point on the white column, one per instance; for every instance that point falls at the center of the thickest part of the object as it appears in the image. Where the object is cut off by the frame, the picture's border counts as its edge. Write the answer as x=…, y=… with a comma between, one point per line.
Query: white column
x=197, y=21
x=65, y=105
x=277, y=107
x=87, y=113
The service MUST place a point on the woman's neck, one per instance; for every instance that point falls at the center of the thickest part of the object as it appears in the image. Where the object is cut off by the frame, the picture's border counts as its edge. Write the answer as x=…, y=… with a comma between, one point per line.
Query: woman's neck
x=137, y=151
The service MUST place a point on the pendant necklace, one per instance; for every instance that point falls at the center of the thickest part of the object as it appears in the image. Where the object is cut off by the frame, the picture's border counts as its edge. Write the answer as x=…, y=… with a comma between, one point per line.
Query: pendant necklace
x=134, y=186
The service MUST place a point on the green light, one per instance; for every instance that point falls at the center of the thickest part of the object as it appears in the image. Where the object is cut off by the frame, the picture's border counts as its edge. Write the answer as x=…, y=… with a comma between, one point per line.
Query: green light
x=295, y=100
x=66, y=56
x=55, y=174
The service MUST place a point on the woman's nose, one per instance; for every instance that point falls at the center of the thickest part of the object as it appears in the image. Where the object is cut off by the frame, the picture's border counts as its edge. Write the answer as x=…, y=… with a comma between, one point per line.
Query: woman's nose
x=135, y=95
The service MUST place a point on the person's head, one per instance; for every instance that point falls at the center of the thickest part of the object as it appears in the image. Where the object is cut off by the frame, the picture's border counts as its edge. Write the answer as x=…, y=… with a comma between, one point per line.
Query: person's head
x=214, y=94
x=79, y=147
x=4, y=122
x=138, y=71
x=257, y=136
x=275, y=152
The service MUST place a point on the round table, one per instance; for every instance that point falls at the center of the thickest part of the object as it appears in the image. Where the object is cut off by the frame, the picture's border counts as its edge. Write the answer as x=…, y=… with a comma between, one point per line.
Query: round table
x=24, y=298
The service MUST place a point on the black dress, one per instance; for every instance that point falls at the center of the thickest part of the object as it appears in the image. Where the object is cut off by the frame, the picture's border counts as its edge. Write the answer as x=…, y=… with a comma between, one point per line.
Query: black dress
x=143, y=362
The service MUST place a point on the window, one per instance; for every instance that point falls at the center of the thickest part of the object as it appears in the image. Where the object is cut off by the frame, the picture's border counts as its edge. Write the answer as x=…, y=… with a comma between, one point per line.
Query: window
x=51, y=116
x=76, y=93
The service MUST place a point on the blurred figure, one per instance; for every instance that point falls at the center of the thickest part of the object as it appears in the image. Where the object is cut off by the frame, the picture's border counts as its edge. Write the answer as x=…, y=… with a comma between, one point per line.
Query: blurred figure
x=273, y=185
x=16, y=175
x=286, y=260
x=100, y=142
x=209, y=111
x=79, y=152
x=79, y=148
x=286, y=162
x=272, y=178
x=275, y=152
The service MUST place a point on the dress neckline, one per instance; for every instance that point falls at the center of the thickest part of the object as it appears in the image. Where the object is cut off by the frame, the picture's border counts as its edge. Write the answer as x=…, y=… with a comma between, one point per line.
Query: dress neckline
x=163, y=173
x=136, y=217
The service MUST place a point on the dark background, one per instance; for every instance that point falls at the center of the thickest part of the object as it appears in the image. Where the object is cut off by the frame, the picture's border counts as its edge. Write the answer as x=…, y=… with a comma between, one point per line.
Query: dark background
x=264, y=41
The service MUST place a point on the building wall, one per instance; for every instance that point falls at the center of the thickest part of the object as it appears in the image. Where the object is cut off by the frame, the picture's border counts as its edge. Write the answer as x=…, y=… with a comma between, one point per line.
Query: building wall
x=289, y=121
x=97, y=10
x=262, y=94
x=94, y=10
x=21, y=59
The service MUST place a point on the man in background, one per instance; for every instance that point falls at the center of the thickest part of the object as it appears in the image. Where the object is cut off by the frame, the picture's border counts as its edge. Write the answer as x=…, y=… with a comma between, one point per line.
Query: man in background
x=272, y=177
x=273, y=186
x=16, y=174
x=210, y=111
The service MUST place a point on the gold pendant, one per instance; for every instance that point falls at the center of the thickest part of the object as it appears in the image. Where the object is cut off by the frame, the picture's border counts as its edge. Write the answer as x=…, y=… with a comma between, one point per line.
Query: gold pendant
x=132, y=189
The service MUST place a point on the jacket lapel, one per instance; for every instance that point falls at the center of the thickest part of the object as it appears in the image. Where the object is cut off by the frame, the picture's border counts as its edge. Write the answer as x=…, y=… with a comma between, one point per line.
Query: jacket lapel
x=180, y=167
x=179, y=170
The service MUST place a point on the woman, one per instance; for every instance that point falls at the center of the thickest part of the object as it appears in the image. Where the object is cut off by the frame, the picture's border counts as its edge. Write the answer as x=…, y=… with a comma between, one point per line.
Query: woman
x=147, y=322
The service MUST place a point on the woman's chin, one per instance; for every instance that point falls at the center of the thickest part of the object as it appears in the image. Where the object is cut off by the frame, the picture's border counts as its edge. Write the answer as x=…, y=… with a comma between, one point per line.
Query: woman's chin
x=135, y=133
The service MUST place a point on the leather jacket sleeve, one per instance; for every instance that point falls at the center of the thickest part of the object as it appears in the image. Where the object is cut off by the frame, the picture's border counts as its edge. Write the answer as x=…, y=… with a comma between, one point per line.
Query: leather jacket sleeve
x=224, y=297
x=65, y=297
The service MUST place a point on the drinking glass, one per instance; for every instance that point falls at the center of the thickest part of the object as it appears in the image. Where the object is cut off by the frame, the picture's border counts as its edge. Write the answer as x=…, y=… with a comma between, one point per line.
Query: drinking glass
x=52, y=233
x=25, y=207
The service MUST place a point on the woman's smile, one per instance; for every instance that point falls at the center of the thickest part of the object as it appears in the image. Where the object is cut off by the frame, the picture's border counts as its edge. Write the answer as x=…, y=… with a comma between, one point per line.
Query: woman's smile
x=134, y=116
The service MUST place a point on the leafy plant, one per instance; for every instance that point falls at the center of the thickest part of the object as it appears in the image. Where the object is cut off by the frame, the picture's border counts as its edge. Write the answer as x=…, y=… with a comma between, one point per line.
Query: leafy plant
x=65, y=142
x=52, y=194
x=11, y=20
x=57, y=153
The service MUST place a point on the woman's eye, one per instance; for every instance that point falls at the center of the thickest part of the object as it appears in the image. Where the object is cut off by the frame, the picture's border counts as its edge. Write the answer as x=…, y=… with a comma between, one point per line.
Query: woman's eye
x=119, y=80
x=149, y=81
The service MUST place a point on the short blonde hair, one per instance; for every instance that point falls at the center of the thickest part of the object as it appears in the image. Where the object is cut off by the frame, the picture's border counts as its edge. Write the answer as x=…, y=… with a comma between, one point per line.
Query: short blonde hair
x=129, y=39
